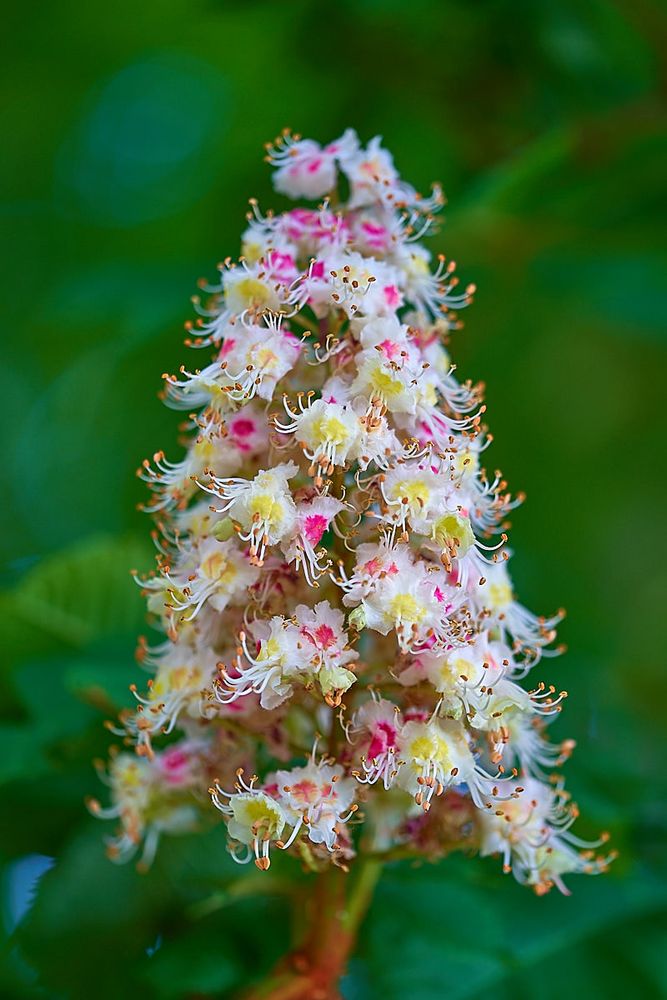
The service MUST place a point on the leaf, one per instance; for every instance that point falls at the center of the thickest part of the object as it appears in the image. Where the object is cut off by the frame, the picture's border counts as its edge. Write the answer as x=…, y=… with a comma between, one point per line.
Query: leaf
x=80, y=594
x=130, y=934
x=194, y=962
x=18, y=752
x=100, y=915
x=449, y=930
x=53, y=715
x=517, y=184
x=102, y=680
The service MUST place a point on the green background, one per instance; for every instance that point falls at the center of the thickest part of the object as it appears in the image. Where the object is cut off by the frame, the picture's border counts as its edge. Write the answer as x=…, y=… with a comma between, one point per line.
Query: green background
x=132, y=139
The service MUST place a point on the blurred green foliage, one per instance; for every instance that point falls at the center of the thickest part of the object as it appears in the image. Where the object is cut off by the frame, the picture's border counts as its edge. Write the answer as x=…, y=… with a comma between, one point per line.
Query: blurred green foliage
x=132, y=140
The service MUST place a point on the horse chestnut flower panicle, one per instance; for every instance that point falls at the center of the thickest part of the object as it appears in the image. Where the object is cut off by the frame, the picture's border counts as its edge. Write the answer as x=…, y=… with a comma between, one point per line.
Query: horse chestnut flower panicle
x=332, y=577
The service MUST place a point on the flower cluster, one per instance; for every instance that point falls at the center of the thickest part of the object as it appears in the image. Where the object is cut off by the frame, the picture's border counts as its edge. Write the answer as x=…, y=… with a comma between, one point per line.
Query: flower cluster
x=332, y=582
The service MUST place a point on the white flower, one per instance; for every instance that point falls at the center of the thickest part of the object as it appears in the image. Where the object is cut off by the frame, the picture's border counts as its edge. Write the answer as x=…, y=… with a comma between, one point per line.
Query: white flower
x=325, y=643
x=377, y=443
x=373, y=233
x=531, y=832
x=374, y=563
x=246, y=437
x=415, y=495
x=416, y=604
x=327, y=432
x=493, y=595
x=215, y=572
x=252, y=286
x=314, y=232
x=433, y=292
x=305, y=169
x=172, y=482
x=183, y=670
x=311, y=647
x=372, y=175
x=146, y=806
x=272, y=671
x=319, y=797
x=517, y=740
x=259, y=286
x=457, y=397
x=390, y=368
x=209, y=387
x=377, y=725
x=222, y=448
x=465, y=676
x=262, y=506
x=374, y=180
x=254, y=819
x=314, y=517
x=253, y=358
x=264, y=234
x=438, y=756
x=347, y=280
x=206, y=573
x=256, y=356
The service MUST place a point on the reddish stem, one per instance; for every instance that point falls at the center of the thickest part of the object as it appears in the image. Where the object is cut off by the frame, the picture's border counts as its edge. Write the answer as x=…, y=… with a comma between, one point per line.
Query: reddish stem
x=334, y=911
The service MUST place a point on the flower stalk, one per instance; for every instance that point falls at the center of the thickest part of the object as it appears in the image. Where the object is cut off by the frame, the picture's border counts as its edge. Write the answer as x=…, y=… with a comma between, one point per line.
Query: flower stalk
x=333, y=915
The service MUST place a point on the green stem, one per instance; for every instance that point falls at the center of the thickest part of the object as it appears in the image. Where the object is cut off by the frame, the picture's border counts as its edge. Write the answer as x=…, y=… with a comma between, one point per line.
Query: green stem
x=367, y=874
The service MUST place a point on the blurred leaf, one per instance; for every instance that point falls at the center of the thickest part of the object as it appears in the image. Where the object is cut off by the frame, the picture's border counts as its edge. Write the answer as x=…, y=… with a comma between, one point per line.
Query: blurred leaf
x=103, y=680
x=102, y=916
x=79, y=594
x=63, y=604
x=518, y=183
x=52, y=715
x=19, y=757
x=647, y=955
x=464, y=935
x=193, y=963
x=129, y=933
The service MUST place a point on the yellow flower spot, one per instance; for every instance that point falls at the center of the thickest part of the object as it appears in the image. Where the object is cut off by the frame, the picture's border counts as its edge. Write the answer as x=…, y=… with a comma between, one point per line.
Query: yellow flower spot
x=216, y=566
x=253, y=292
x=257, y=812
x=384, y=384
x=454, y=529
x=252, y=252
x=330, y=430
x=500, y=595
x=268, y=508
x=129, y=777
x=460, y=666
x=269, y=650
x=429, y=395
x=265, y=358
x=418, y=266
x=466, y=462
x=176, y=679
x=204, y=449
x=427, y=747
x=404, y=608
x=415, y=490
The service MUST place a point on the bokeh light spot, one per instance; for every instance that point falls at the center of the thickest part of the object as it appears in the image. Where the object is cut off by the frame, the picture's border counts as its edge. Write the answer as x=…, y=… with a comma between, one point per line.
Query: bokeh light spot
x=149, y=143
